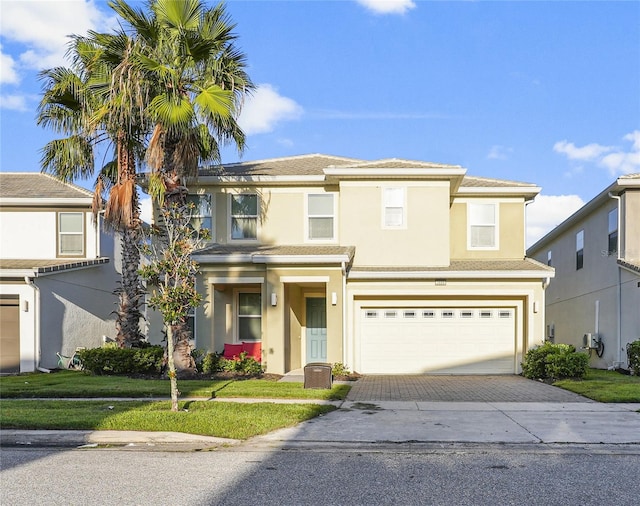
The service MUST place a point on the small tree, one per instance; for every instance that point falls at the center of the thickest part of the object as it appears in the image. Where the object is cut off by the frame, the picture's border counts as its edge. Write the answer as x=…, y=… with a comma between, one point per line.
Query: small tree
x=171, y=274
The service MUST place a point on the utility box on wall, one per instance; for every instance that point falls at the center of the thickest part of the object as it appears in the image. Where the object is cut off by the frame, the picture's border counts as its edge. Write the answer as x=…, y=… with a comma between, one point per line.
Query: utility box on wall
x=318, y=375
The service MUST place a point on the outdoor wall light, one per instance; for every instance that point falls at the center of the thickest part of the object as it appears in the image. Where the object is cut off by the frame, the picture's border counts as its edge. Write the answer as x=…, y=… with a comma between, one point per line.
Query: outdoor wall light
x=274, y=299
x=334, y=298
x=25, y=306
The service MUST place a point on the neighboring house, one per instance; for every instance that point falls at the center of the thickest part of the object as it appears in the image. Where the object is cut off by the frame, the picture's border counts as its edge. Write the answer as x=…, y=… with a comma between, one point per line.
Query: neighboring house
x=55, y=282
x=596, y=255
x=388, y=266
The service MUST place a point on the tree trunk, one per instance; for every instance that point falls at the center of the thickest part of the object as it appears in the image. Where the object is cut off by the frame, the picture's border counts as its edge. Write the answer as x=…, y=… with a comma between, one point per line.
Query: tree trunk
x=173, y=378
x=130, y=292
x=184, y=362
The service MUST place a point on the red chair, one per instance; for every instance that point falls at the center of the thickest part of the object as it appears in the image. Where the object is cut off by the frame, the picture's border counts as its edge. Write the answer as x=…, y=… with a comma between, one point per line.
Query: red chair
x=232, y=351
x=253, y=350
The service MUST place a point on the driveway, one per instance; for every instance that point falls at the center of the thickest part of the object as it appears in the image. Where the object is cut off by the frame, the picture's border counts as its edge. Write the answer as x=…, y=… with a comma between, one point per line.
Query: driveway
x=446, y=388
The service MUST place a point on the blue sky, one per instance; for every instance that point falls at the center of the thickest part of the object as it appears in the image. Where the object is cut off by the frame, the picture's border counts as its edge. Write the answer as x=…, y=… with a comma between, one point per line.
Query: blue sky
x=542, y=92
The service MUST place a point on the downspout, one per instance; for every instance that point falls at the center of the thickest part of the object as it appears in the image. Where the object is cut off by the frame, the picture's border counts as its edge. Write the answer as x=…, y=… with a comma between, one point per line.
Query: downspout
x=619, y=291
x=36, y=322
x=344, y=314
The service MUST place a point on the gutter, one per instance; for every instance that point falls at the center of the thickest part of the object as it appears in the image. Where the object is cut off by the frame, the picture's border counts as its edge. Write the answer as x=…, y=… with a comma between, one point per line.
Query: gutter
x=619, y=287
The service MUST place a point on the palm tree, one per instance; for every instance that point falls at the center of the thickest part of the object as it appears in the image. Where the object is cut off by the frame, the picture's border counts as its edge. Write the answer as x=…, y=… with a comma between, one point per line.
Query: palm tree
x=198, y=80
x=89, y=104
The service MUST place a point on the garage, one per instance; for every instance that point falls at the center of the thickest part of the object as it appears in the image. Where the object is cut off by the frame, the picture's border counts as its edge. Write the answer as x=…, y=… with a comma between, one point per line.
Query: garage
x=437, y=340
x=9, y=335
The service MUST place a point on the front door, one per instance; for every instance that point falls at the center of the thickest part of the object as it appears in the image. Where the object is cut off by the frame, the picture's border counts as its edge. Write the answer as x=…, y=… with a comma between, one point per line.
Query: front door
x=316, y=342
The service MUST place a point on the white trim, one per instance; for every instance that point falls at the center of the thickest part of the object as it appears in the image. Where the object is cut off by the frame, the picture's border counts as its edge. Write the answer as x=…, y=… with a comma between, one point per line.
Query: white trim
x=449, y=274
x=304, y=279
x=60, y=233
x=496, y=226
x=215, y=280
x=333, y=239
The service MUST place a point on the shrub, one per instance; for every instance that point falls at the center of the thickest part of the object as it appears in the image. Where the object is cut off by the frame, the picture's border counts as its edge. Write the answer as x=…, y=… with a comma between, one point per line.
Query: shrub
x=339, y=369
x=554, y=361
x=211, y=363
x=113, y=360
x=633, y=355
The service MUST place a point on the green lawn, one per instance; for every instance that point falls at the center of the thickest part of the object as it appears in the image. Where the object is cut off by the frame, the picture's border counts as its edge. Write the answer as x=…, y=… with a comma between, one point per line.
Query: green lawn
x=66, y=384
x=605, y=386
x=221, y=419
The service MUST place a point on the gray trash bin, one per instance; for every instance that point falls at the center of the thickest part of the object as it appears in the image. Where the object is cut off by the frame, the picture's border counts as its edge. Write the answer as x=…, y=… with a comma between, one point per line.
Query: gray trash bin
x=318, y=375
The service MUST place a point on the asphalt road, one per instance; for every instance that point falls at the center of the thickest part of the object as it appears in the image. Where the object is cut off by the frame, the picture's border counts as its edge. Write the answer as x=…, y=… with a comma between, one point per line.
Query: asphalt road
x=344, y=475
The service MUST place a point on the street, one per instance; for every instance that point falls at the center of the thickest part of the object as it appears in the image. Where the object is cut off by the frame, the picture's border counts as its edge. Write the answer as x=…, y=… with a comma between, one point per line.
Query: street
x=451, y=474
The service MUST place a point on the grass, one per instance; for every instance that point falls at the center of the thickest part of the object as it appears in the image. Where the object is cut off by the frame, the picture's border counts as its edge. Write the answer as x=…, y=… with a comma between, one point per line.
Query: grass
x=68, y=384
x=605, y=386
x=221, y=419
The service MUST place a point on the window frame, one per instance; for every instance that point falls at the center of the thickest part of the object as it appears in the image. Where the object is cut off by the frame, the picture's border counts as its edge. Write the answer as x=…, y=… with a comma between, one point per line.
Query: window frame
x=612, y=233
x=237, y=316
x=471, y=223
x=579, y=249
x=384, y=223
x=309, y=217
x=232, y=217
x=60, y=233
x=202, y=217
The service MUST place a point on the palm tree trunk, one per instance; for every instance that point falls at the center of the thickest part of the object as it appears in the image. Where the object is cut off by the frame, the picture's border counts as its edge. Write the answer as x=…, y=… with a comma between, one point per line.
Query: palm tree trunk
x=130, y=292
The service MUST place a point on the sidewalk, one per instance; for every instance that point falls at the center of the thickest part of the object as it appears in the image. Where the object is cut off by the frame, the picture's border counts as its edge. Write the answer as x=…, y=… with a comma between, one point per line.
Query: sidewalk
x=398, y=422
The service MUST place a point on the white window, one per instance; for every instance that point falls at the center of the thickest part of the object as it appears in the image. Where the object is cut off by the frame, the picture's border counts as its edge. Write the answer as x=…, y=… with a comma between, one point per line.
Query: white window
x=393, y=203
x=320, y=212
x=249, y=316
x=244, y=216
x=613, y=232
x=71, y=234
x=580, y=250
x=201, y=213
x=483, y=226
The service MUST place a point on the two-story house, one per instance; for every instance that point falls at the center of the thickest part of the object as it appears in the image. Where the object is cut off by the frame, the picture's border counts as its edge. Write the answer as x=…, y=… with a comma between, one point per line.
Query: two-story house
x=388, y=266
x=56, y=285
x=596, y=290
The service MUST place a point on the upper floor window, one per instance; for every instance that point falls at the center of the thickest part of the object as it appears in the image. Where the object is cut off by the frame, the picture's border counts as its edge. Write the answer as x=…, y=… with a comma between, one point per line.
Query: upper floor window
x=320, y=212
x=244, y=216
x=613, y=232
x=71, y=234
x=549, y=257
x=580, y=250
x=393, y=207
x=483, y=226
x=201, y=213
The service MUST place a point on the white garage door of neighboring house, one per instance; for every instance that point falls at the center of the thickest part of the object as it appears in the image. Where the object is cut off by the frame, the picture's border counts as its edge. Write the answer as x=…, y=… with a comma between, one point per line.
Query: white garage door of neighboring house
x=437, y=340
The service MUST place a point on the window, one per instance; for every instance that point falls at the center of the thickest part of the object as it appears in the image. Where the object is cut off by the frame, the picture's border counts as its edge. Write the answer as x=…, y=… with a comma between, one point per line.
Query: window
x=201, y=213
x=482, y=232
x=580, y=250
x=549, y=257
x=249, y=316
x=71, y=234
x=613, y=232
x=320, y=213
x=393, y=207
x=244, y=217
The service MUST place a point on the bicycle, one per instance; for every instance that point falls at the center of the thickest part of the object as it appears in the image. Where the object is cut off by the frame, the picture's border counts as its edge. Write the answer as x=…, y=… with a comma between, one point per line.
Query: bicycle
x=73, y=362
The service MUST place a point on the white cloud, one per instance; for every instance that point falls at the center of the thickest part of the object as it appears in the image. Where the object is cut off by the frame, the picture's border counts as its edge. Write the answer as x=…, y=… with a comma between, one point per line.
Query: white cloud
x=499, y=153
x=14, y=102
x=42, y=27
x=388, y=6
x=266, y=108
x=616, y=160
x=548, y=211
x=585, y=153
x=8, y=74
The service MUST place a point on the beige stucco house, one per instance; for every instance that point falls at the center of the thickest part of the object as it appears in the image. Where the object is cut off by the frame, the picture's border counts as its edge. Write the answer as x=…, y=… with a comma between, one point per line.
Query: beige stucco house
x=596, y=290
x=56, y=280
x=388, y=266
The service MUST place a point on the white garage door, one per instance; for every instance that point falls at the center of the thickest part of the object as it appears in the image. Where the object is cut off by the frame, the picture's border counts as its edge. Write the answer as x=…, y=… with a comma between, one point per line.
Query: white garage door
x=437, y=340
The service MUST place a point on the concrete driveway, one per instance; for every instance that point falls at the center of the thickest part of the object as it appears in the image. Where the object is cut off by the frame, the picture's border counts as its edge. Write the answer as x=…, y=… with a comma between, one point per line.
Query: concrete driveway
x=446, y=388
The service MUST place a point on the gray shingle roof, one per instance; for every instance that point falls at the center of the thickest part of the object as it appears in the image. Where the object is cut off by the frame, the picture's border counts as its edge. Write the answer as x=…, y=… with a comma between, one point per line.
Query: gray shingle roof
x=233, y=249
x=40, y=266
x=485, y=182
x=303, y=165
x=526, y=264
x=34, y=185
